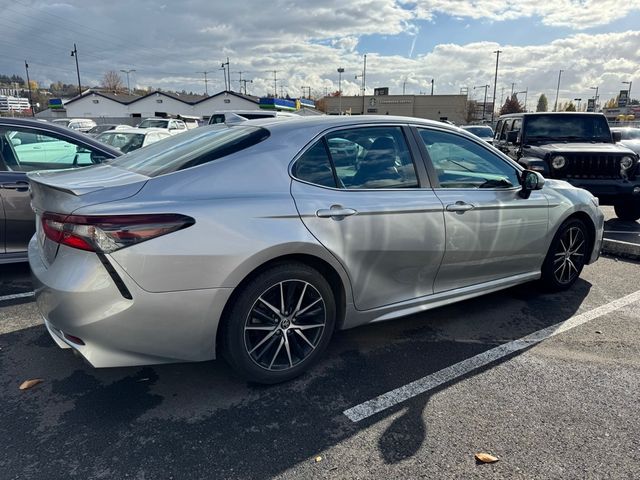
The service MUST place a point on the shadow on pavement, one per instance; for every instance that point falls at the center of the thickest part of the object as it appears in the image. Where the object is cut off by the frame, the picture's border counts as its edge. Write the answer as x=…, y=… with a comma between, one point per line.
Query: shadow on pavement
x=200, y=421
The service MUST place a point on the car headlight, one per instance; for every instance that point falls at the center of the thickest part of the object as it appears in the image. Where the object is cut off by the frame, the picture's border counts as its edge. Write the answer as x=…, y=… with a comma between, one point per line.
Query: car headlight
x=626, y=163
x=558, y=162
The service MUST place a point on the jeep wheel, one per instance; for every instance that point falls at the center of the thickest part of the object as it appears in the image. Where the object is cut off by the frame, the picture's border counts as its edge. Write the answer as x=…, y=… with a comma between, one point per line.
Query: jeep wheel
x=629, y=210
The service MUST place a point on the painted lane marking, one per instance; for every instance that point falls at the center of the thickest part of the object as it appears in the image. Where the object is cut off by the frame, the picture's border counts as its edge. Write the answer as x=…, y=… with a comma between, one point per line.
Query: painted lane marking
x=424, y=384
x=17, y=295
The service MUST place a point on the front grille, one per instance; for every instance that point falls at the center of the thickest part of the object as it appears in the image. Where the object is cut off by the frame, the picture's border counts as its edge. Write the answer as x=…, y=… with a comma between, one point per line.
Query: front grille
x=590, y=166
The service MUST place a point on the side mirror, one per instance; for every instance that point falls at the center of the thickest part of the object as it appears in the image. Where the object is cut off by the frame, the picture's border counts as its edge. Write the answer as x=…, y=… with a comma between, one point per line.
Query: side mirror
x=16, y=141
x=617, y=136
x=512, y=136
x=530, y=181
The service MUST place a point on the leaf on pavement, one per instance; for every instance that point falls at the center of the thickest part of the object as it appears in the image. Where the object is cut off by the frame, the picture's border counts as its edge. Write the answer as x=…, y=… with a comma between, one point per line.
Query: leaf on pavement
x=27, y=384
x=486, y=458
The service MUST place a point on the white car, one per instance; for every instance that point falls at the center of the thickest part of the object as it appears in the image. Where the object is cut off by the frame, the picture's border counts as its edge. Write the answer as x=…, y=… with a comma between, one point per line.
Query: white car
x=171, y=125
x=80, y=124
x=132, y=138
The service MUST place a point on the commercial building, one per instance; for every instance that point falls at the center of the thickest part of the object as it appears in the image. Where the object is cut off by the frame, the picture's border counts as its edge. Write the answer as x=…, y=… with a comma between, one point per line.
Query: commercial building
x=434, y=107
x=14, y=104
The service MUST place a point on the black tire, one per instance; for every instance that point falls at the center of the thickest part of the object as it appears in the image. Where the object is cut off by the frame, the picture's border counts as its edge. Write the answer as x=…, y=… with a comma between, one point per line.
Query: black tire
x=628, y=210
x=294, y=342
x=567, y=255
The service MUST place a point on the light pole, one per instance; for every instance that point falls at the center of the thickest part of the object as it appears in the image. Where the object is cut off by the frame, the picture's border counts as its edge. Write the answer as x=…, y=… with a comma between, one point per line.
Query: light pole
x=495, y=84
x=555, y=106
x=595, y=98
x=628, y=92
x=364, y=82
x=132, y=70
x=26, y=66
x=206, y=86
x=484, y=104
x=74, y=53
x=340, y=72
x=526, y=92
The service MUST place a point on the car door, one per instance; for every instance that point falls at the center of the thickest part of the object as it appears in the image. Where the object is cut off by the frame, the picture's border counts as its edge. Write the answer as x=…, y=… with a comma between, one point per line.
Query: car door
x=360, y=193
x=492, y=232
x=55, y=153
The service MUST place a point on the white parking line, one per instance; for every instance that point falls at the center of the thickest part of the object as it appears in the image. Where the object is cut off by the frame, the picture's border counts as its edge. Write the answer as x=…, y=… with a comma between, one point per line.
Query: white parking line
x=424, y=384
x=17, y=295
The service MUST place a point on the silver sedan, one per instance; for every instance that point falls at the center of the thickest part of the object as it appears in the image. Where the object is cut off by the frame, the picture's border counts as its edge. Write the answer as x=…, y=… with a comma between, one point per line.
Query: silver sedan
x=257, y=240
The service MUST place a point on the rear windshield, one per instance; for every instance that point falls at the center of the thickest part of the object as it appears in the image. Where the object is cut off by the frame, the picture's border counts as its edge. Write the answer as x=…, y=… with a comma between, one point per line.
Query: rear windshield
x=149, y=123
x=480, y=131
x=192, y=148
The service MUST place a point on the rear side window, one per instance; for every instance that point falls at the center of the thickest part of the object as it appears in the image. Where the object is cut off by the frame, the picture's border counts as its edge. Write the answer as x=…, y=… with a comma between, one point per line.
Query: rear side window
x=314, y=166
x=192, y=148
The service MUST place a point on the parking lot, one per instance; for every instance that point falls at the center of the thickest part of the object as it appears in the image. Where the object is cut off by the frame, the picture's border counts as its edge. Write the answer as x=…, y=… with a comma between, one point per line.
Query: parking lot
x=562, y=403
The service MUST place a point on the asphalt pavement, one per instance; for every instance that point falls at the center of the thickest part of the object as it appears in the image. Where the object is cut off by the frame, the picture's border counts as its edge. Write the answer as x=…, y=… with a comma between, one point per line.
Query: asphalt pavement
x=621, y=238
x=564, y=406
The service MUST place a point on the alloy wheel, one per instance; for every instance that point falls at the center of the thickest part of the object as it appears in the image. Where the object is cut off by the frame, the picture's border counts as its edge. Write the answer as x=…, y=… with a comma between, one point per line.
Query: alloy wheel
x=570, y=256
x=285, y=325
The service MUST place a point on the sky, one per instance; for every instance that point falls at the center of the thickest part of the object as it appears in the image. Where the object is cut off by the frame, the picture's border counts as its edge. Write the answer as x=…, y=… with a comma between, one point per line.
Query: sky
x=407, y=43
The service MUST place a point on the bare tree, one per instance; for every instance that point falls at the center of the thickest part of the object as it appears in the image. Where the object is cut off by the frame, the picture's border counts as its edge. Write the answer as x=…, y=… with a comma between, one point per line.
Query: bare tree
x=112, y=81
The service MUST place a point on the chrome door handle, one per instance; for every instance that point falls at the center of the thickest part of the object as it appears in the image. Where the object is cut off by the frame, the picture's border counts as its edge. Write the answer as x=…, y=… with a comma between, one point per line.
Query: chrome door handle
x=460, y=207
x=336, y=211
x=19, y=186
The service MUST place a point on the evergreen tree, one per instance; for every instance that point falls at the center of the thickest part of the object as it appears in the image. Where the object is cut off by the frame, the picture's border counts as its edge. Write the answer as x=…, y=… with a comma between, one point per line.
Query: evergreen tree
x=511, y=105
x=543, y=103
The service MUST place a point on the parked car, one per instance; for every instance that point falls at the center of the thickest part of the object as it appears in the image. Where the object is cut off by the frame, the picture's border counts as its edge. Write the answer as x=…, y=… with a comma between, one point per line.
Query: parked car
x=170, y=125
x=578, y=148
x=27, y=145
x=234, y=116
x=247, y=239
x=485, y=132
x=629, y=137
x=105, y=127
x=80, y=124
x=132, y=138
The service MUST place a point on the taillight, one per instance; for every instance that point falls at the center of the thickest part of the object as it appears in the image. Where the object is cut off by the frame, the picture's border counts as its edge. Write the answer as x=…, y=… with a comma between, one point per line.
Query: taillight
x=105, y=233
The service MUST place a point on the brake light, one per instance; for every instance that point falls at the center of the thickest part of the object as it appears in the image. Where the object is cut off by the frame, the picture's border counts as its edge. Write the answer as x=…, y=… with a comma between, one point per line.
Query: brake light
x=106, y=233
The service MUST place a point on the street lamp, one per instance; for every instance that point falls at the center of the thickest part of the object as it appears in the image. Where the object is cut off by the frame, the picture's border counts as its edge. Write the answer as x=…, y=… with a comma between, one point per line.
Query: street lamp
x=595, y=98
x=484, y=104
x=340, y=72
x=132, y=70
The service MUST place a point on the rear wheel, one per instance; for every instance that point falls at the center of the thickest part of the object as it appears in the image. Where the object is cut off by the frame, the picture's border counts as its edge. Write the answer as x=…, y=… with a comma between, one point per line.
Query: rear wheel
x=628, y=210
x=567, y=255
x=280, y=324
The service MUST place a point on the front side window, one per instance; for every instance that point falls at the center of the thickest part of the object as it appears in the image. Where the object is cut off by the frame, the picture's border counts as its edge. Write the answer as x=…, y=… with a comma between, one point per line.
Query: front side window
x=461, y=163
x=27, y=150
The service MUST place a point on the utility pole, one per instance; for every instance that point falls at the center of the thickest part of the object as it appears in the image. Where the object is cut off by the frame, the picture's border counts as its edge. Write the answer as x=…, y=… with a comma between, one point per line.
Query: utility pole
x=363, y=84
x=275, y=83
x=404, y=85
x=484, y=104
x=340, y=72
x=512, y=87
x=244, y=84
x=26, y=66
x=307, y=88
x=206, y=89
x=240, y=79
x=432, y=87
x=495, y=85
x=128, y=72
x=555, y=107
x=74, y=53
x=227, y=77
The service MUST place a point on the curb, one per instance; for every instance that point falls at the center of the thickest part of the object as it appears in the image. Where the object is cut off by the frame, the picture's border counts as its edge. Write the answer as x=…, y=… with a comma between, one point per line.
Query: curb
x=621, y=249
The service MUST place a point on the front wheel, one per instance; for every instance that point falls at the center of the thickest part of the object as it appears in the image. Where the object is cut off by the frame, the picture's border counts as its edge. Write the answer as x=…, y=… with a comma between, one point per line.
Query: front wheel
x=567, y=256
x=280, y=324
x=628, y=210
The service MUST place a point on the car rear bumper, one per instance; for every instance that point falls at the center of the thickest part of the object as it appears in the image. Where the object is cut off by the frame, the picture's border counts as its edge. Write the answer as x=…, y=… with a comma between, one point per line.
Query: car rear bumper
x=79, y=299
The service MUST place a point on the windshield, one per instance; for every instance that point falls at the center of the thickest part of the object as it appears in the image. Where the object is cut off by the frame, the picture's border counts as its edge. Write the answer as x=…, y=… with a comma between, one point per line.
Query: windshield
x=480, y=131
x=100, y=128
x=122, y=141
x=63, y=122
x=192, y=148
x=153, y=123
x=567, y=127
x=630, y=133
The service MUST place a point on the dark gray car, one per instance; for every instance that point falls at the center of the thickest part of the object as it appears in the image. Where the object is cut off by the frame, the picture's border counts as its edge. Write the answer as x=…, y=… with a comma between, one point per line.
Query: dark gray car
x=26, y=146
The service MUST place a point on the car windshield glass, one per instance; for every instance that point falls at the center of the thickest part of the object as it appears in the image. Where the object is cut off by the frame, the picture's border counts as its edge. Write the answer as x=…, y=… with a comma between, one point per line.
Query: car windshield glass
x=192, y=148
x=480, y=131
x=100, y=128
x=120, y=139
x=150, y=123
x=567, y=127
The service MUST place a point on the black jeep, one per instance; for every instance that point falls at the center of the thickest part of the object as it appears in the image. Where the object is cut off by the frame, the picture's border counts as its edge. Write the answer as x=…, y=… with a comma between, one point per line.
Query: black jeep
x=578, y=148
